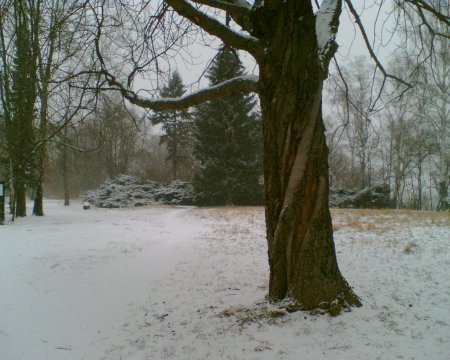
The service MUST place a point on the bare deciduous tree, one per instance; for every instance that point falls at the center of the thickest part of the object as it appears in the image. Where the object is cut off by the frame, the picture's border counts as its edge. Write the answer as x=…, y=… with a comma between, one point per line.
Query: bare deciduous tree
x=118, y=131
x=356, y=121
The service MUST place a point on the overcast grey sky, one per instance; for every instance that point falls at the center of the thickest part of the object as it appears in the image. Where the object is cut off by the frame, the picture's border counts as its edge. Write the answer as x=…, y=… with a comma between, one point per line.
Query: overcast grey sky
x=350, y=42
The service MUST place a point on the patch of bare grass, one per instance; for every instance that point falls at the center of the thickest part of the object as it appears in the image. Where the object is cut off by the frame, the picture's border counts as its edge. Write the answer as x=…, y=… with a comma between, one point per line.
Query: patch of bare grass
x=410, y=247
x=383, y=220
x=230, y=212
x=261, y=312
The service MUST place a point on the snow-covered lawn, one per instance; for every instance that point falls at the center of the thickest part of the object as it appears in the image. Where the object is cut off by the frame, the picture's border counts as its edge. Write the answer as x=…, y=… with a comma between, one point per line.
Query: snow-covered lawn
x=188, y=283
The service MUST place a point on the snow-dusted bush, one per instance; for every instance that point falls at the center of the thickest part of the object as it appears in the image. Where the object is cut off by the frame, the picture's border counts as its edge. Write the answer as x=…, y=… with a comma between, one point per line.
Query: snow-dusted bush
x=127, y=191
x=376, y=197
x=177, y=193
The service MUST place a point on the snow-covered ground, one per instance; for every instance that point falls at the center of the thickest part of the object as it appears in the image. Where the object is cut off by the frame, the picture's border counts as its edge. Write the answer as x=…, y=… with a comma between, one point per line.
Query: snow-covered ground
x=188, y=283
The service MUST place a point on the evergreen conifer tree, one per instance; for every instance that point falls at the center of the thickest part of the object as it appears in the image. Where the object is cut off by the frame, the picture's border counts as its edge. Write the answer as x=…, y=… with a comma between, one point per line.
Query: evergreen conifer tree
x=227, y=142
x=177, y=127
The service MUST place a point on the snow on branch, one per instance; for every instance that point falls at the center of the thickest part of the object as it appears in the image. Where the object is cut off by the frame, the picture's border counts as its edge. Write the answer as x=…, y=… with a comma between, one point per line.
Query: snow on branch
x=327, y=23
x=239, y=10
x=215, y=28
x=227, y=5
x=237, y=85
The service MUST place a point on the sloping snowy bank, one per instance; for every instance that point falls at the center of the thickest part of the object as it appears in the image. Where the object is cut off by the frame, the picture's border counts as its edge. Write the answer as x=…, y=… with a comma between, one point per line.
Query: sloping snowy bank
x=188, y=283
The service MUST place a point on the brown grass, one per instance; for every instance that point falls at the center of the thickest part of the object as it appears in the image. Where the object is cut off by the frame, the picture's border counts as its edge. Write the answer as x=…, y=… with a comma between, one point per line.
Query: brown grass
x=246, y=315
x=409, y=247
x=354, y=219
x=382, y=220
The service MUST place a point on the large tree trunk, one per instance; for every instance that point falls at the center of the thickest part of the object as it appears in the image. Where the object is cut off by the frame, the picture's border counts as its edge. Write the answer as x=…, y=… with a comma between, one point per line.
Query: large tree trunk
x=12, y=192
x=38, y=207
x=65, y=172
x=175, y=152
x=443, y=204
x=20, y=188
x=21, y=202
x=302, y=256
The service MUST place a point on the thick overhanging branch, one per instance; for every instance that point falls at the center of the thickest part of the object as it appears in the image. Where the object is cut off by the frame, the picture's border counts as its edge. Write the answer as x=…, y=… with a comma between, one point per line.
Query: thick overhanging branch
x=239, y=10
x=237, y=85
x=215, y=28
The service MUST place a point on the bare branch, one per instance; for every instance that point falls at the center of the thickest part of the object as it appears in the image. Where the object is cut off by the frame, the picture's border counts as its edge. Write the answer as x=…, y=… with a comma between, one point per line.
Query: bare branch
x=237, y=85
x=215, y=28
x=41, y=142
x=422, y=5
x=369, y=46
x=239, y=10
x=226, y=5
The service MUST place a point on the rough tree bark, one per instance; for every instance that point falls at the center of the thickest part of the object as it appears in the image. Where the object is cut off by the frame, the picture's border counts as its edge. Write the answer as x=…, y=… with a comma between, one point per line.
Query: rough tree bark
x=41, y=154
x=38, y=206
x=302, y=256
x=20, y=196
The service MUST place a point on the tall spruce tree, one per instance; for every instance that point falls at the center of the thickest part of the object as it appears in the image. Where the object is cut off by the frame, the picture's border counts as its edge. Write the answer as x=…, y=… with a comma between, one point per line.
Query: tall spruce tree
x=177, y=127
x=227, y=144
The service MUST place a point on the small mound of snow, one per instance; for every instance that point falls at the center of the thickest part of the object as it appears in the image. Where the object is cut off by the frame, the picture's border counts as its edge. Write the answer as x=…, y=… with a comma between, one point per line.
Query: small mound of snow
x=127, y=191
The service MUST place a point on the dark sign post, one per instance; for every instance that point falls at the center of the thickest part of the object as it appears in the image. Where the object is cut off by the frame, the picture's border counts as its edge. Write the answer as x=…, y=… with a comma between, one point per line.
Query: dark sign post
x=2, y=202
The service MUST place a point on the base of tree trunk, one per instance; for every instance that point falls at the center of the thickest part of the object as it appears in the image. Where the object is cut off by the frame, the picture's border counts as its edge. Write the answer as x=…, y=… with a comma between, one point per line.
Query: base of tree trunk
x=38, y=208
x=343, y=302
x=20, y=202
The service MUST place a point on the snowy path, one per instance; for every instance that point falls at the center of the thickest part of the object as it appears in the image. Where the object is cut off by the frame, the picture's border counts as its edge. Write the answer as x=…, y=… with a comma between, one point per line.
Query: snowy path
x=186, y=283
x=69, y=286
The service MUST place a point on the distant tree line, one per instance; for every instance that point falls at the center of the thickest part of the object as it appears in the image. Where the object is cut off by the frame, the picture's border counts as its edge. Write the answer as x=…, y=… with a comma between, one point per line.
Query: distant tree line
x=57, y=131
x=40, y=50
x=398, y=139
